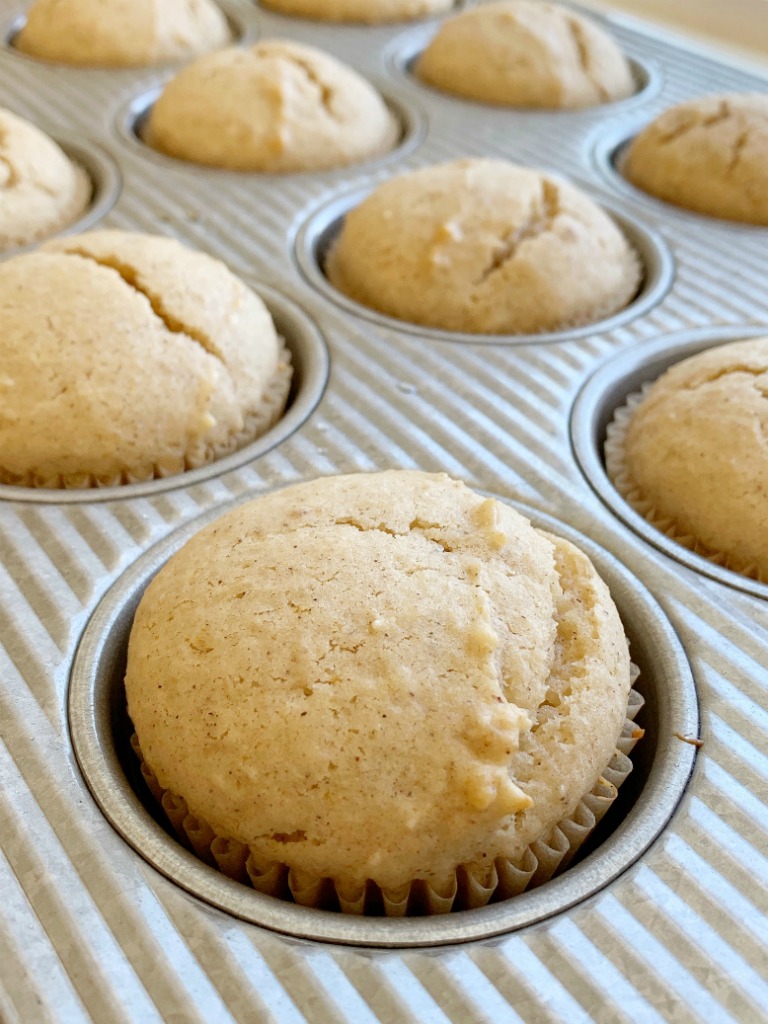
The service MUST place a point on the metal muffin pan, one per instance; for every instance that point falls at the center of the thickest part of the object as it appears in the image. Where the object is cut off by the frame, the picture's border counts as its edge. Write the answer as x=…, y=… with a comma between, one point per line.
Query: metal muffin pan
x=101, y=730
x=89, y=930
x=606, y=391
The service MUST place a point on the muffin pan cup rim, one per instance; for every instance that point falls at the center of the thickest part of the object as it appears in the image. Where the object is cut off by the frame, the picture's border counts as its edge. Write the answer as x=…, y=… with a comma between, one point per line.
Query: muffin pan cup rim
x=89, y=715
x=606, y=387
x=607, y=147
x=401, y=54
x=324, y=219
x=132, y=113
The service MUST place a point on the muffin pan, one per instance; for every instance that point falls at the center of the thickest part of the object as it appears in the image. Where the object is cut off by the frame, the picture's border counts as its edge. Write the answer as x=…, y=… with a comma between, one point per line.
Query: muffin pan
x=665, y=919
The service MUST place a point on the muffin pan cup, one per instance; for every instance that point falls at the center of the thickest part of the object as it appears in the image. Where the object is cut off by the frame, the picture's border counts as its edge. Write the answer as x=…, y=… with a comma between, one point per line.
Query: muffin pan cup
x=594, y=410
x=101, y=734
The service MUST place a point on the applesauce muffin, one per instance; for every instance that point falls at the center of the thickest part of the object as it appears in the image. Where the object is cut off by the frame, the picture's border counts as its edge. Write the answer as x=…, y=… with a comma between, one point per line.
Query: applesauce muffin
x=121, y=33
x=377, y=678
x=126, y=357
x=709, y=155
x=366, y=11
x=42, y=191
x=277, y=106
x=521, y=53
x=484, y=246
x=693, y=457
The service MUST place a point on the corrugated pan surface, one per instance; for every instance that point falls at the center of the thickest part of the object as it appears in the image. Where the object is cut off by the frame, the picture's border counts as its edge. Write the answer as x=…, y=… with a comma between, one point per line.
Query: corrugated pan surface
x=88, y=930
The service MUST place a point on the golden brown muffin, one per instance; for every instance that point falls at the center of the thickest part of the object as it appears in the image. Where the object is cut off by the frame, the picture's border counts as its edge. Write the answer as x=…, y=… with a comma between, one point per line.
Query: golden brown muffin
x=366, y=11
x=526, y=54
x=42, y=190
x=121, y=33
x=378, y=677
x=696, y=453
x=277, y=106
x=484, y=246
x=709, y=155
x=126, y=357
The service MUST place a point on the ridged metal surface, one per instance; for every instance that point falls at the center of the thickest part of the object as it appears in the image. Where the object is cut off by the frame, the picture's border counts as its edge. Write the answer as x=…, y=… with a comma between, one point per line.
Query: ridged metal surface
x=87, y=930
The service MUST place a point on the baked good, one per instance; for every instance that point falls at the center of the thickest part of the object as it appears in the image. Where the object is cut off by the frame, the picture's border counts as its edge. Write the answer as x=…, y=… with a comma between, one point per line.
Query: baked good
x=121, y=33
x=367, y=11
x=126, y=357
x=275, y=106
x=695, y=454
x=483, y=246
x=709, y=155
x=42, y=190
x=377, y=677
x=523, y=53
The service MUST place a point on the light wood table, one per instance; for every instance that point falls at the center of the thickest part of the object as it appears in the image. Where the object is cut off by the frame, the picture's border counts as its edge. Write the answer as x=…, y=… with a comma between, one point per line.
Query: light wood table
x=738, y=29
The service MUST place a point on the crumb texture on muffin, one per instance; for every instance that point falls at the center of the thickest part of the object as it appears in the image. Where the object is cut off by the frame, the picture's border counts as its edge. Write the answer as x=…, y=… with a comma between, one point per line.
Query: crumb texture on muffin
x=42, y=190
x=696, y=452
x=378, y=677
x=366, y=11
x=276, y=106
x=526, y=54
x=121, y=33
x=709, y=155
x=125, y=357
x=484, y=246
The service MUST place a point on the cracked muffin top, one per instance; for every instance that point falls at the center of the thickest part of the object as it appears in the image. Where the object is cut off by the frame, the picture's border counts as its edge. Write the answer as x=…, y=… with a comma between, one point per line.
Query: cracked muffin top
x=483, y=246
x=696, y=450
x=124, y=357
x=378, y=676
x=121, y=33
x=526, y=54
x=366, y=11
x=277, y=106
x=41, y=190
x=709, y=155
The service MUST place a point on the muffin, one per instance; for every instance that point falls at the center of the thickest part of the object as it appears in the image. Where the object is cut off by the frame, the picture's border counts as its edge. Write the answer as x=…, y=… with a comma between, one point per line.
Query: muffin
x=526, y=54
x=709, y=155
x=276, y=106
x=483, y=246
x=126, y=357
x=693, y=457
x=376, y=679
x=121, y=33
x=367, y=11
x=42, y=190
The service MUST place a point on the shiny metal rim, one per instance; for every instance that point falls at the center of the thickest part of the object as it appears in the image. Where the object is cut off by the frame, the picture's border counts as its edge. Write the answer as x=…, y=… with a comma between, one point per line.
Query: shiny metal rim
x=322, y=227
x=311, y=363
x=95, y=696
x=133, y=115
x=594, y=409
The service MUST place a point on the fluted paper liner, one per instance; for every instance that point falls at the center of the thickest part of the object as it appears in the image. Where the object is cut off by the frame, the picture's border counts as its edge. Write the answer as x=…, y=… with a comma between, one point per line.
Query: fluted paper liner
x=616, y=467
x=256, y=423
x=468, y=887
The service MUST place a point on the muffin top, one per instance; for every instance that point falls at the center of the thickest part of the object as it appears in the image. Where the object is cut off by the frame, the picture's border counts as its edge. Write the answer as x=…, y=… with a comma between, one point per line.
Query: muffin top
x=378, y=676
x=526, y=54
x=483, y=246
x=368, y=11
x=124, y=357
x=42, y=190
x=275, y=106
x=709, y=155
x=121, y=33
x=697, y=450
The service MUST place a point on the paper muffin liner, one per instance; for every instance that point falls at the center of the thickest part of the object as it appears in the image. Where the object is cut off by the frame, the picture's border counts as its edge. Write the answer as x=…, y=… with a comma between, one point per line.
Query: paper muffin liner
x=468, y=887
x=617, y=469
x=257, y=423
